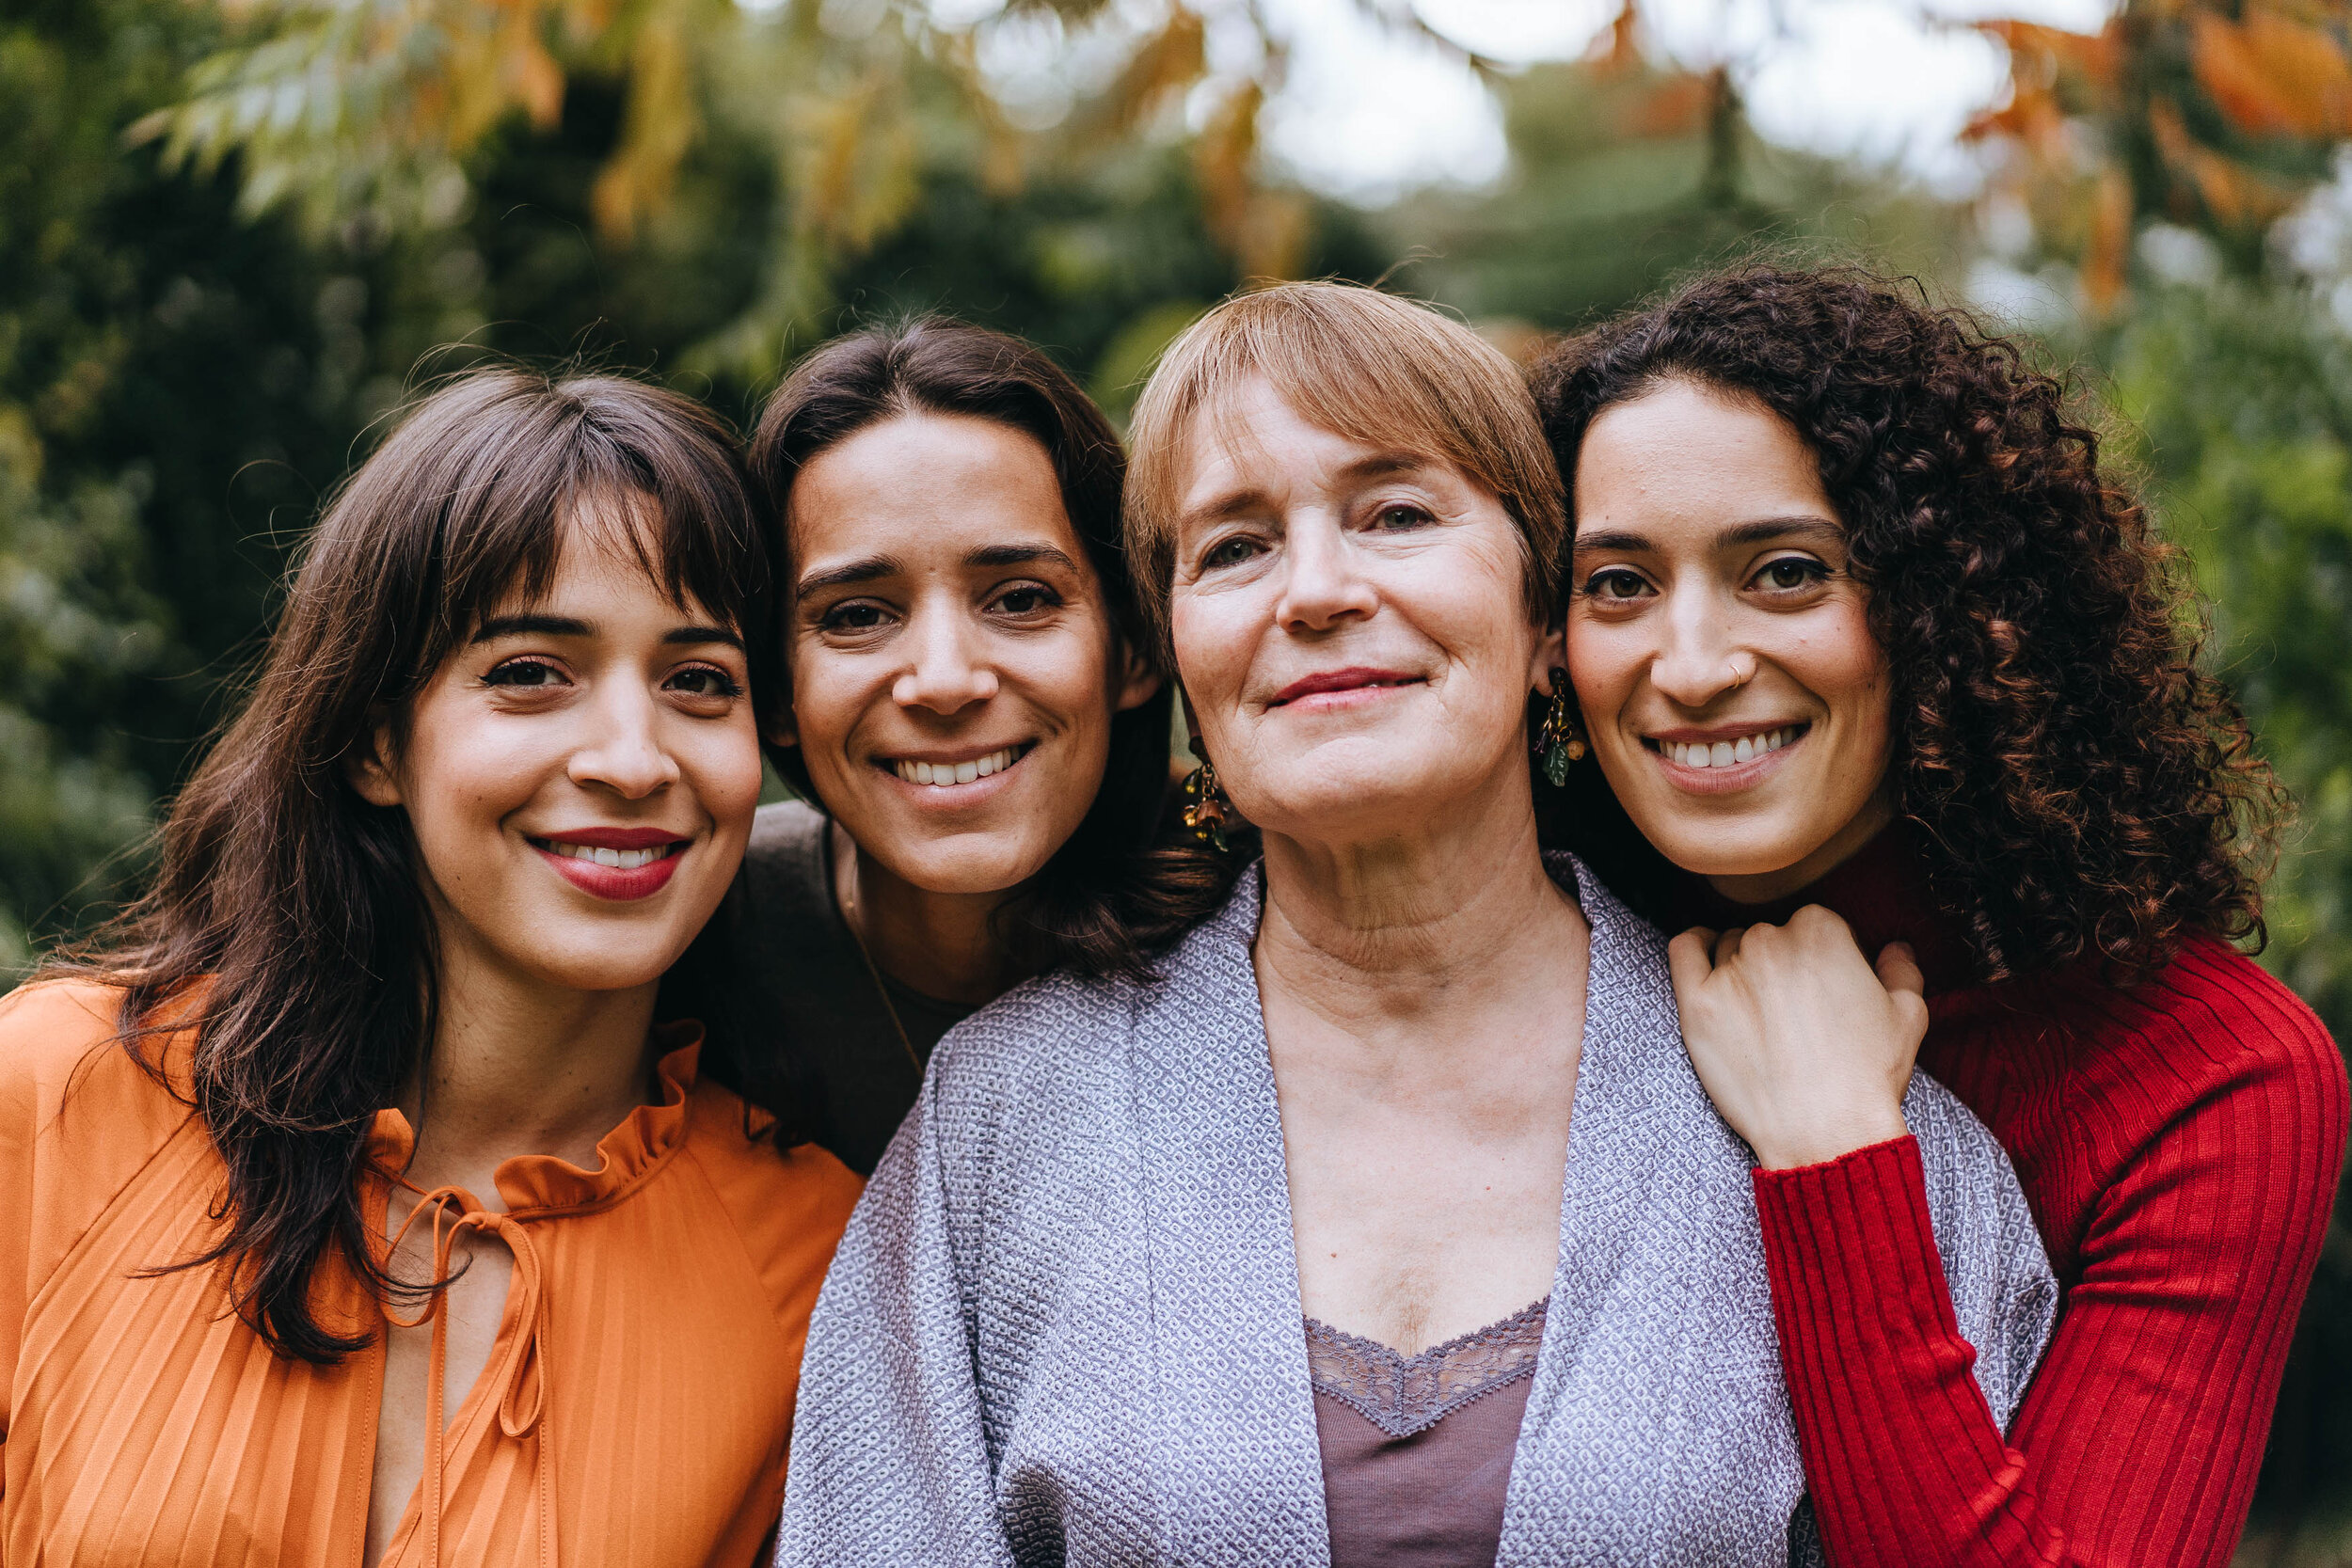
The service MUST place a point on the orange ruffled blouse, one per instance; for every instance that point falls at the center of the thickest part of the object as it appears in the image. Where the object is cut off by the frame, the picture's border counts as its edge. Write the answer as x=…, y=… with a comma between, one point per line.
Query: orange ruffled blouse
x=635, y=1409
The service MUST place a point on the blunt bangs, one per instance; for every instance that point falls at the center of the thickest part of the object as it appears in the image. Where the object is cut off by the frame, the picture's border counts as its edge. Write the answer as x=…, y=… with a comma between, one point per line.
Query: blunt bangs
x=472, y=502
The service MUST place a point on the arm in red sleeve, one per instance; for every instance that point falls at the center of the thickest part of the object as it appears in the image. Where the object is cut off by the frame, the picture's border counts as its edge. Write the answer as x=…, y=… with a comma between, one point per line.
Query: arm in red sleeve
x=2140, y=1439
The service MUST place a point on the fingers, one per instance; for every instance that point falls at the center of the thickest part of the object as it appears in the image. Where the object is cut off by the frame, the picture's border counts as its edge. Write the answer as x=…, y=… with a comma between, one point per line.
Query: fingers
x=1816, y=923
x=1690, y=959
x=1727, y=945
x=1899, y=971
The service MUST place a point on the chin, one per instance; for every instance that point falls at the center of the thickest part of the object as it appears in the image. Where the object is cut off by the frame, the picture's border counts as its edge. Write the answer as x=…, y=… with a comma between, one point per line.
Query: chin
x=1714, y=853
x=605, y=966
x=968, y=865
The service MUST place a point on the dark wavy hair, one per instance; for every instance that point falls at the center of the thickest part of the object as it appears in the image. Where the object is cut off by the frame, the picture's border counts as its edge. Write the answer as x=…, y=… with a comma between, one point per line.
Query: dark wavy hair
x=1079, y=912
x=2082, y=788
x=289, y=910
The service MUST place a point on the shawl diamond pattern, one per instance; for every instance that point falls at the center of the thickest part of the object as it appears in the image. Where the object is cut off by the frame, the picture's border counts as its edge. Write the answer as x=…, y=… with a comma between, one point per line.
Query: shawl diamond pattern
x=1065, y=1327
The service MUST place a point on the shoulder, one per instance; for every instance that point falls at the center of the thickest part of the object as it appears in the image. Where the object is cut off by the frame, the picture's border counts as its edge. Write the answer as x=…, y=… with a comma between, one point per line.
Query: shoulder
x=79, y=1118
x=1039, y=1039
x=787, y=832
x=2211, y=1026
x=788, y=1205
x=55, y=1034
x=782, y=876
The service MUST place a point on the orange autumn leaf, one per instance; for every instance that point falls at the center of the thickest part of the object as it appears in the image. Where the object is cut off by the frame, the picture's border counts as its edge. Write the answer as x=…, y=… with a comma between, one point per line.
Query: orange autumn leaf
x=2272, y=76
x=1675, y=108
x=2108, y=251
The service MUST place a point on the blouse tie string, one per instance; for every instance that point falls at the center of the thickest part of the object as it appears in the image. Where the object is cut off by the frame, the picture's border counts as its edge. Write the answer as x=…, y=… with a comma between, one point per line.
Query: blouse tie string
x=518, y=1373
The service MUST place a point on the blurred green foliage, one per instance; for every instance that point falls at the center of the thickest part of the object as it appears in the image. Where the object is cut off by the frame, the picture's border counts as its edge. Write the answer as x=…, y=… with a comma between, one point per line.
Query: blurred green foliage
x=183, y=378
x=2236, y=405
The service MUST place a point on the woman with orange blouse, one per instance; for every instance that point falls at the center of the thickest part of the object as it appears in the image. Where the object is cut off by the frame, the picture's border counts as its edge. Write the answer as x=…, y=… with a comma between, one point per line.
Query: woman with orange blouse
x=354, y=1206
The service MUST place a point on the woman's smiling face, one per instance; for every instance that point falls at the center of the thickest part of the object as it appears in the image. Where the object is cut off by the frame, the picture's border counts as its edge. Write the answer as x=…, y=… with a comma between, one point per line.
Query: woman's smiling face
x=1722, y=654
x=1351, y=625
x=580, y=776
x=954, y=666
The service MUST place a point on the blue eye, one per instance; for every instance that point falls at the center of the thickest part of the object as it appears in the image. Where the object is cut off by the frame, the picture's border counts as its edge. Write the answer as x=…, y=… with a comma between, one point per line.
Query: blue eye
x=1230, y=552
x=1397, y=516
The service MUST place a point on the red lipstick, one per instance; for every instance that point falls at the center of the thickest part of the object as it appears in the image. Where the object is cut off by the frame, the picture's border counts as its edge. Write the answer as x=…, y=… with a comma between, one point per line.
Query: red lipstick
x=620, y=883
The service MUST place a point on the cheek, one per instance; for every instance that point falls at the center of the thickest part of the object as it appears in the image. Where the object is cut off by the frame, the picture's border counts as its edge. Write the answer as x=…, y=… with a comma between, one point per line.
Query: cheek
x=829, y=691
x=724, y=762
x=1843, y=665
x=1213, y=643
x=1068, y=672
x=463, y=771
x=1604, y=664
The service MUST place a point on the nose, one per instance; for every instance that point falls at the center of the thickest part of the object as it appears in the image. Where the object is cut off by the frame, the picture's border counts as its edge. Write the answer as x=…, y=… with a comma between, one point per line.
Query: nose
x=627, y=755
x=947, y=674
x=1700, y=657
x=1321, y=584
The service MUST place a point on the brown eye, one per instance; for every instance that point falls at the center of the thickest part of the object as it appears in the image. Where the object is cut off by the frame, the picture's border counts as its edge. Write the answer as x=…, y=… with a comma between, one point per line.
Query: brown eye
x=701, y=680
x=1615, y=583
x=856, y=615
x=1792, y=571
x=1027, y=598
x=525, y=672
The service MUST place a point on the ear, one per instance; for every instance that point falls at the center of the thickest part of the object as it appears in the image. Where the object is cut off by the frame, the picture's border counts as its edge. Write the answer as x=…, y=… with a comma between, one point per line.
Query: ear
x=369, y=767
x=1137, y=681
x=784, y=732
x=1552, y=653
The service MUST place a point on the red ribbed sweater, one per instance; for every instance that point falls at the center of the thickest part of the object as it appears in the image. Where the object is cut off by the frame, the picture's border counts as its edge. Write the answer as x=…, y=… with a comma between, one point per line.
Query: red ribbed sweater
x=2179, y=1144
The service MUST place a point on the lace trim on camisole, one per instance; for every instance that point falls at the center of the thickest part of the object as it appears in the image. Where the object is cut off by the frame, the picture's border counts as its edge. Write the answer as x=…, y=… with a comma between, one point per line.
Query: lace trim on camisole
x=1405, y=1394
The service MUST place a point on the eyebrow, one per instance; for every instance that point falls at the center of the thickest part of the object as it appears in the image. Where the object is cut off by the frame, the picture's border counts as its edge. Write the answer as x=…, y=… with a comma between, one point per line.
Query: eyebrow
x=1760, y=530
x=1379, y=464
x=1019, y=555
x=531, y=625
x=565, y=626
x=874, y=568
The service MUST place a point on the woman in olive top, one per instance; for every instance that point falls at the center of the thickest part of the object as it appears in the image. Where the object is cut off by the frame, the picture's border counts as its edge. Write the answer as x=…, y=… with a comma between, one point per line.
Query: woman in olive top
x=978, y=735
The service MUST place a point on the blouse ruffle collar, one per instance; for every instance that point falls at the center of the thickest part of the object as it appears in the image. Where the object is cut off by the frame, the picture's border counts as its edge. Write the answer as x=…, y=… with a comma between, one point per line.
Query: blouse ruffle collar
x=541, y=1186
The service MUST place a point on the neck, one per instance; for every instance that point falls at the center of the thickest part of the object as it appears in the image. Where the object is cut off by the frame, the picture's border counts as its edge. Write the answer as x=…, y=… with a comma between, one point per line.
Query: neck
x=939, y=945
x=519, y=1067
x=1401, y=924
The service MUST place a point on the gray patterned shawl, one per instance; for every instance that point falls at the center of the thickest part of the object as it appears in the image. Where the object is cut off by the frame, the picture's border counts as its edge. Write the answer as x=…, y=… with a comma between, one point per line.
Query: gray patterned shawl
x=1065, y=1327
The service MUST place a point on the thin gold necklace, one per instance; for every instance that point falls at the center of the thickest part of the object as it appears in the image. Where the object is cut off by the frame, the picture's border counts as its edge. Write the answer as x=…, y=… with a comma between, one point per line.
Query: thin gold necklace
x=874, y=973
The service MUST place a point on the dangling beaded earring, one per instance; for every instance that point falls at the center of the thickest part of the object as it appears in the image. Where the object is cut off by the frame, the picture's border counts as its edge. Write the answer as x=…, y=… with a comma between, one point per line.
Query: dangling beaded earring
x=1561, y=741
x=1205, y=806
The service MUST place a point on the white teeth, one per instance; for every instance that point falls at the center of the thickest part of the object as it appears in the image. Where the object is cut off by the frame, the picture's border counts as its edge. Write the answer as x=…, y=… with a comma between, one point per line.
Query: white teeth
x=943, y=773
x=1728, y=754
x=620, y=860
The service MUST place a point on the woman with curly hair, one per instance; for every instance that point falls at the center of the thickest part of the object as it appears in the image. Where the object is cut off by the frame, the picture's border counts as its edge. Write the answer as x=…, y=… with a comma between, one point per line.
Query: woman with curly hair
x=1870, y=649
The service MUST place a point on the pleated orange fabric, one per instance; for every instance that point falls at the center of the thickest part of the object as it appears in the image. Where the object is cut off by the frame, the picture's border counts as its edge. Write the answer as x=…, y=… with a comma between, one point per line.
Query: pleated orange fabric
x=636, y=1408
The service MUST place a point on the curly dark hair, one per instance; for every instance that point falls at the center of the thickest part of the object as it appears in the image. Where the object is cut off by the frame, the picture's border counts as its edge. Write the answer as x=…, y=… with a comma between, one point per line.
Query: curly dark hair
x=2081, y=787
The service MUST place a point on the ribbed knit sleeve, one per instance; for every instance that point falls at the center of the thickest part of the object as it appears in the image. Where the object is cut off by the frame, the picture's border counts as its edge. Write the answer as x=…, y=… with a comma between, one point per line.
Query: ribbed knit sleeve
x=2182, y=1149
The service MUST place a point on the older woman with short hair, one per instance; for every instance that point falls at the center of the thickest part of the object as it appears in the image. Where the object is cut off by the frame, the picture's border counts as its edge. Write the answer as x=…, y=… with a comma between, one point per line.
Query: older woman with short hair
x=1389, y=1225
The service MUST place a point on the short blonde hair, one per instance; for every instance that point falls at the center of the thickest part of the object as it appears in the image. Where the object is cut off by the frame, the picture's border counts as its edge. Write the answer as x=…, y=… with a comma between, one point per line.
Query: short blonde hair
x=1364, y=365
